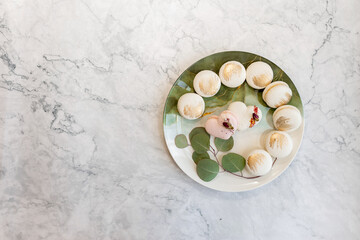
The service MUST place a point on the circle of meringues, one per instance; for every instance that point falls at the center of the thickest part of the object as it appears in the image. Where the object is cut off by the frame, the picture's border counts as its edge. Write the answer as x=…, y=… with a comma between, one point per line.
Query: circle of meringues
x=239, y=117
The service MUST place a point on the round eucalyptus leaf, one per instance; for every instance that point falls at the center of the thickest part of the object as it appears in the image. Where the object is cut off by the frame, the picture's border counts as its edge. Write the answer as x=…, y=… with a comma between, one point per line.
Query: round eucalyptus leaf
x=207, y=169
x=197, y=130
x=181, y=141
x=200, y=142
x=199, y=156
x=233, y=162
x=224, y=145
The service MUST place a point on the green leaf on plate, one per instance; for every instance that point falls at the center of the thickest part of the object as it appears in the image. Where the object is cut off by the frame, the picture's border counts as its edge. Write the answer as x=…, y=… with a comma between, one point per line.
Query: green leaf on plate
x=197, y=130
x=178, y=91
x=199, y=156
x=224, y=95
x=224, y=145
x=233, y=162
x=207, y=169
x=181, y=141
x=200, y=142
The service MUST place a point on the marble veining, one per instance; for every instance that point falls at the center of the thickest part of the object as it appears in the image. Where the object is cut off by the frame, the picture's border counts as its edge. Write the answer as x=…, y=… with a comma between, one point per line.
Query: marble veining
x=82, y=89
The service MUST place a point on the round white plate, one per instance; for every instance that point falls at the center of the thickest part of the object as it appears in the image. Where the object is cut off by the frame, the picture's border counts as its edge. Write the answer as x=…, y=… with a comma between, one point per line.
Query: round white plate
x=244, y=141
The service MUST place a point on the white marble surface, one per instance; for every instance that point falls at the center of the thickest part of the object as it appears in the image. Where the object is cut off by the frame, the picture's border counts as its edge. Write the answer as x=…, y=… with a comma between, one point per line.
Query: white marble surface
x=82, y=89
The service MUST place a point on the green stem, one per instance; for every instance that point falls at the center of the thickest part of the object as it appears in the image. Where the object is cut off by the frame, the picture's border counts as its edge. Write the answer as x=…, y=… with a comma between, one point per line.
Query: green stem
x=212, y=150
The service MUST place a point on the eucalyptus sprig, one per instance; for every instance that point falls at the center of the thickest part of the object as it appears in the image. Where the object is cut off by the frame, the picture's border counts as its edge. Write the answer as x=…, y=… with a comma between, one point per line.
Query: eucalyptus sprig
x=206, y=168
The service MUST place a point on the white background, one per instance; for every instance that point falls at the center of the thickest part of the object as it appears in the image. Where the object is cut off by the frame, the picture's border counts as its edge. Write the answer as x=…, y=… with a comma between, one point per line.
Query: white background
x=82, y=90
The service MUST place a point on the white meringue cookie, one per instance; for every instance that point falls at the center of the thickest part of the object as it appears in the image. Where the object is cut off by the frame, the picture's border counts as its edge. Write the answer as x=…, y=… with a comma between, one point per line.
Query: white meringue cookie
x=259, y=162
x=206, y=83
x=232, y=74
x=259, y=75
x=191, y=106
x=287, y=118
x=277, y=94
x=278, y=144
